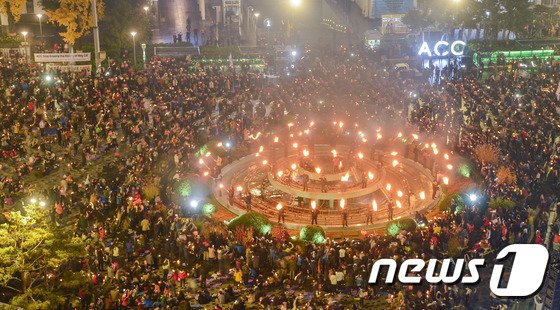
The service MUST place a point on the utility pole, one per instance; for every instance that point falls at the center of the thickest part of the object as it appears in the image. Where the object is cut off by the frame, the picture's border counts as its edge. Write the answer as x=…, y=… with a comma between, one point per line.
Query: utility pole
x=95, y=34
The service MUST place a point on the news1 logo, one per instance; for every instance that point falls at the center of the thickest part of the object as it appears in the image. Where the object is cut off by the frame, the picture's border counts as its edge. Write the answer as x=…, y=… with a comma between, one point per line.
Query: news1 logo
x=525, y=278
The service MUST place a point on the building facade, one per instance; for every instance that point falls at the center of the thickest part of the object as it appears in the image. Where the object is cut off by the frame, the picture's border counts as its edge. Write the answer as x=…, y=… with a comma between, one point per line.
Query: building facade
x=30, y=11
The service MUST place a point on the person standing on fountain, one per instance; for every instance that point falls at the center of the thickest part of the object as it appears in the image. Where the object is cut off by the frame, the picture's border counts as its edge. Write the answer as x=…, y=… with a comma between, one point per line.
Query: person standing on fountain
x=248, y=201
x=314, y=213
x=369, y=216
x=281, y=215
x=390, y=209
x=323, y=184
x=344, y=216
x=305, y=179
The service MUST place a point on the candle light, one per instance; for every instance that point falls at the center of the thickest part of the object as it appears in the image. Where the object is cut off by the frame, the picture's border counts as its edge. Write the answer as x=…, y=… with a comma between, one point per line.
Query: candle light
x=422, y=195
x=374, y=205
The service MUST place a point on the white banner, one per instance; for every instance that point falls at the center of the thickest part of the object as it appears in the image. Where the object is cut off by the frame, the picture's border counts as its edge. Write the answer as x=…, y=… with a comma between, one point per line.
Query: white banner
x=62, y=57
x=69, y=68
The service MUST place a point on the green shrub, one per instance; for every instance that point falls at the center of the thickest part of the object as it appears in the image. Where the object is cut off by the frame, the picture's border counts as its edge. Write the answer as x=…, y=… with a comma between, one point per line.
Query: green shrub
x=312, y=233
x=394, y=227
x=445, y=203
x=501, y=202
x=253, y=220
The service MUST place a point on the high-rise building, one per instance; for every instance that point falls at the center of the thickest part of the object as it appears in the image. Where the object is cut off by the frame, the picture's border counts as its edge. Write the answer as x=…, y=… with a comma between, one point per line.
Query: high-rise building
x=550, y=3
x=377, y=8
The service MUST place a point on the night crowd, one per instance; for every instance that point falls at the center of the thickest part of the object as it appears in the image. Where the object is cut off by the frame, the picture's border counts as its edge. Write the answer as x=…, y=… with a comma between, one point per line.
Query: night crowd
x=145, y=251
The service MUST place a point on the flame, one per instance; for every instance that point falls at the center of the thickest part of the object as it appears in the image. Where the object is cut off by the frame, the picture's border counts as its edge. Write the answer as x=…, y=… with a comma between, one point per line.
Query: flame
x=342, y=203
x=313, y=204
x=445, y=180
x=449, y=166
x=305, y=153
x=399, y=205
x=395, y=163
x=422, y=195
x=280, y=173
x=295, y=145
x=279, y=206
x=388, y=187
x=446, y=156
x=318, y=170
x=379, y=136
x=294, y=166
x=399, y=193
x=360, y=155
x=264, y=162
x=399, y=135
x=276, y=139
x=370, y=175
x=415, y=136
x=239, y=188
x=374, y=205
x=206, y=173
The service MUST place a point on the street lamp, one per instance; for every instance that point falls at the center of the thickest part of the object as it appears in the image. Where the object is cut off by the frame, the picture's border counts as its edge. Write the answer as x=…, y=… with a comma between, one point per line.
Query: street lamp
x=133, y=34
x=24, y=34
x=40, y=16
x=146, y=8
x=295, y=3
x=257, y=14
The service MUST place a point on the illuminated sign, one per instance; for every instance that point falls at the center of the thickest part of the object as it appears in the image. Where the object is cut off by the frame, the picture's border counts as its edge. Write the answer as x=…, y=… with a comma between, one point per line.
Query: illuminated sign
x=443, y=48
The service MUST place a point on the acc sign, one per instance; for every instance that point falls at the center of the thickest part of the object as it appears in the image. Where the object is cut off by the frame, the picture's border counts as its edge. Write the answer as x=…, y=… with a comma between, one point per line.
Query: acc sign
x=443, y=48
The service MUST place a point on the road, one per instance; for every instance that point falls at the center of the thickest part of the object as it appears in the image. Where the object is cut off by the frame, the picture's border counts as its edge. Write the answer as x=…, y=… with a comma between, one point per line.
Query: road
x=173, y=16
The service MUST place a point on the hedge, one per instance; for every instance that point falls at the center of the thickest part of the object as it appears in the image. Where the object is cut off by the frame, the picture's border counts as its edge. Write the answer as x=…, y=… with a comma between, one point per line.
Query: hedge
x=312, y=233
x=258, y=222
x=394, y=227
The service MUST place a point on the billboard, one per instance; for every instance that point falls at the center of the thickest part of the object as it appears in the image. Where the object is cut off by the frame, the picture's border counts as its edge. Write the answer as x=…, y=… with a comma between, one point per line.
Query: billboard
x=387, y=7
x=392, y=24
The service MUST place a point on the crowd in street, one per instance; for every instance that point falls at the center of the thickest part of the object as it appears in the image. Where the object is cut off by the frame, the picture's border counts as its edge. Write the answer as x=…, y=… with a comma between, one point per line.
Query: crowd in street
x=145, y=126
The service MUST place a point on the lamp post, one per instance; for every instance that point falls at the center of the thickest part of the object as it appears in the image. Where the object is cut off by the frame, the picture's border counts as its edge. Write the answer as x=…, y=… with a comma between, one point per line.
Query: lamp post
x=24, y=34
x=40, y=16
x=295, y=4
x=146, y=8
x=133, y=34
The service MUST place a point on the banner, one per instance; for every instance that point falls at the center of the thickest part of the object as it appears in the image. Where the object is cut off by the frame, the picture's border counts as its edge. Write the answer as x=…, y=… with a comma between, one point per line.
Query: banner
x=62, y=57
x=69, y=68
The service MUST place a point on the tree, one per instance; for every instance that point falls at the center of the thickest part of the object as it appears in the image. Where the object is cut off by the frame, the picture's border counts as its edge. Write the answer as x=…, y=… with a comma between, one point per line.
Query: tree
x=74, y=15
x=35, y=259
x=13, y=10
x=122, y=17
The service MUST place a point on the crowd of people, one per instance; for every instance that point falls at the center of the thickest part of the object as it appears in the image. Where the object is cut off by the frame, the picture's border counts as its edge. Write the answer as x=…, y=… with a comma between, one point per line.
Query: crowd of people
x=144, y=127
